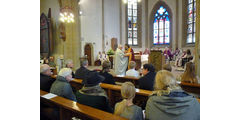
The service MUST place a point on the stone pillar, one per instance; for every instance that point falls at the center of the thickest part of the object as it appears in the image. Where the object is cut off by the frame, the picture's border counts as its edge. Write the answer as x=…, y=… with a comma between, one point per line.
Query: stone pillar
x=197, y=39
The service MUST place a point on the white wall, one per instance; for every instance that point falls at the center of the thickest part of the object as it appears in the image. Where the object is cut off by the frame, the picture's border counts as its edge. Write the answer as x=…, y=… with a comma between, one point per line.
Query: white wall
x=111, y=21
x=91, y=24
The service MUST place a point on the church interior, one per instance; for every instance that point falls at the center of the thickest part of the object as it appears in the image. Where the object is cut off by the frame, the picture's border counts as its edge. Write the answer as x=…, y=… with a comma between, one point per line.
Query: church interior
x=114, y=59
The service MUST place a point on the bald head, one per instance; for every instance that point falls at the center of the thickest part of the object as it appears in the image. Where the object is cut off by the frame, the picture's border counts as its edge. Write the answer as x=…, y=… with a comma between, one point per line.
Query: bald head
x=45, y=69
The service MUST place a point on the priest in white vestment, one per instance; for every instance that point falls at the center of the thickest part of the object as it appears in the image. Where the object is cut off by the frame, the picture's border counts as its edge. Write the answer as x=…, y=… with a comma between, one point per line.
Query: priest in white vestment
x=120, y=62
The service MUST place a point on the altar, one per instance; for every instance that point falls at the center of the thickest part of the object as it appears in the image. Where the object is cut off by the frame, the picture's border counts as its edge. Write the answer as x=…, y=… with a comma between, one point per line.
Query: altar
x=139, y=59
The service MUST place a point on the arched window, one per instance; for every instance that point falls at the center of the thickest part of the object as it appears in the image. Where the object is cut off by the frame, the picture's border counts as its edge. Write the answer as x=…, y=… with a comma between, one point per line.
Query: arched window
x=161, y=27
x=132, y=23
x=191, y=21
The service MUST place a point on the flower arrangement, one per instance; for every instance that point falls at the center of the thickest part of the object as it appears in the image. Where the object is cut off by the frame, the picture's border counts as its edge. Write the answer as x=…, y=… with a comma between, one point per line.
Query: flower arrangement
x=110, y=52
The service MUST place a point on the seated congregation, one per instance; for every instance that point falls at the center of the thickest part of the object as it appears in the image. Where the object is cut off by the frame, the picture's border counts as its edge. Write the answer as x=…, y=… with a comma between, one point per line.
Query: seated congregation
x=167, y=100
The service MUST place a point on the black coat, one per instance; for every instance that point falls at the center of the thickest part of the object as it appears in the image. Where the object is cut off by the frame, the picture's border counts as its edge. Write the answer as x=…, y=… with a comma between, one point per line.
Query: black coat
x=146, y=82
x=80, y=73
x=98, y=102
x=46, y=82
x=108, y=78
x=73, y=75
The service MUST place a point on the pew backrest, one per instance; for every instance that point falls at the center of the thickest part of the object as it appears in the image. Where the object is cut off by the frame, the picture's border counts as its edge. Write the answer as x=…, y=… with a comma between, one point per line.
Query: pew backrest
x=69, y=109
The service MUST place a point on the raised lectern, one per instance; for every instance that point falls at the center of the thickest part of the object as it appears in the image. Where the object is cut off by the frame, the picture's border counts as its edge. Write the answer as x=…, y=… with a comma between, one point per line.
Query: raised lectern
x=157, y=59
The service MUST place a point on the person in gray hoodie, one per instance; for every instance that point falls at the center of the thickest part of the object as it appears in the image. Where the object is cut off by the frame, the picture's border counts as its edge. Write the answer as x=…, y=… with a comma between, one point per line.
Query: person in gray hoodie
x=169, y=101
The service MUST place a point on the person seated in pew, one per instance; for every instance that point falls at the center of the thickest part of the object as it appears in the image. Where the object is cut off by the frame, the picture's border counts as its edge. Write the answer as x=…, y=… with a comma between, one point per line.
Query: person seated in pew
x=188, y=57
x=69, y=64
x=61, y=86
x=126, y=108
x=189, y=74
x=105, y=69
x=146, y=82
x=167, y=67
x=178, y=61
x=51, y=62
x=92, y=94
x=81, y=72
x=169, y=101
x=132, y=72
x=45, y=77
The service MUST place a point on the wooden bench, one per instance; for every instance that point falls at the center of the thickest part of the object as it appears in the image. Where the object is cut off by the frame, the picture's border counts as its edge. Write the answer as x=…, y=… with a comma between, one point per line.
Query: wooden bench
x=191, y=88
x=134, y=80
x=69, y=109
x=188, y=87
x=114, y=93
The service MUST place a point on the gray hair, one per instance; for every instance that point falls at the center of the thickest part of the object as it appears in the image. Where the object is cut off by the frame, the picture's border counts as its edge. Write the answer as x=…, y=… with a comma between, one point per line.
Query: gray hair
x=119, y=45
x=106, y=65
x=84, y=62
x=132, y=64
x=65, y=72
x=68, y=61
x=44, y=68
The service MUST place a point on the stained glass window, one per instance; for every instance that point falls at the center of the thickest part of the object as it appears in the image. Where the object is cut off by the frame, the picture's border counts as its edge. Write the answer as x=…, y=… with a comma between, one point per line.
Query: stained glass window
x=191, y=21
x=161, y=27
x=132, y=22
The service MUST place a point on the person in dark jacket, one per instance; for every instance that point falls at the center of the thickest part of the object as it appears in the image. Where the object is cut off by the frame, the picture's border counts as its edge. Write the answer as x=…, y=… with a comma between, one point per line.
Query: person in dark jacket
x=105, y=69
x=69, y=64
x=61, y=86
x=92, y=94
x=146, y=82
x=169, y=101
x=82, y=71
x=45, y=78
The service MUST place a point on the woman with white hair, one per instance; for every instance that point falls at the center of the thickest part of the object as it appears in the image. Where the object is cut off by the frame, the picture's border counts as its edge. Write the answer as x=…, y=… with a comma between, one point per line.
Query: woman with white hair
x=61, y=86
x=169, y=101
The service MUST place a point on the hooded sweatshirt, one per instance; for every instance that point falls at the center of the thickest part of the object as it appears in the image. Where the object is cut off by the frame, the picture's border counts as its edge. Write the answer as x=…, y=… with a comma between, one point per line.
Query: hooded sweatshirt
x=178, y=105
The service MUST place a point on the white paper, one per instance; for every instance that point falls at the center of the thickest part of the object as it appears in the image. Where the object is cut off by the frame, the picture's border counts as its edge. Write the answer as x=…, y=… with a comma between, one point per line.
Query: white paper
x=49, y=96
x=120, y=75
x=137, y=90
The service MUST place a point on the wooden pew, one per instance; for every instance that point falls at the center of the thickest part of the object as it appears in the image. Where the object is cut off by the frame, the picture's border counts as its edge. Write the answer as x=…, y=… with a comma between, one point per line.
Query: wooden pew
x=114, y=93
x=134, y=80
x=191, y=88
x=69, y=109
x=188, y=87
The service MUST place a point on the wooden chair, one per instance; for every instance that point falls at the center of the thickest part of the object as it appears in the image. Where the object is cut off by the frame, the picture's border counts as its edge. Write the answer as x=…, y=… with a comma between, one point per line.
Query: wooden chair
x=69, y=109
